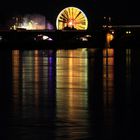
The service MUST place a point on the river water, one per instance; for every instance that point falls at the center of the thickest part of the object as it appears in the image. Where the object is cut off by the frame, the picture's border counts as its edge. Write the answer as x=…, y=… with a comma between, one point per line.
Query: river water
x=78, y=94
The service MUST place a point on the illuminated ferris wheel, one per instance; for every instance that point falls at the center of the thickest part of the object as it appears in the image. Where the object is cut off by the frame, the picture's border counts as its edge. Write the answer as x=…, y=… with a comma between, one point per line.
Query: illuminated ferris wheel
x=72, y=18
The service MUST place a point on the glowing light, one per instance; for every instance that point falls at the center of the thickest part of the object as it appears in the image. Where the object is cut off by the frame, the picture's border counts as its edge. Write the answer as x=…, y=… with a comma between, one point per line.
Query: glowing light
x=41, y=37
x=83, y=39
x=31, y=22
x=71, y=17
x=109, y=38
x=46, y=38
x=128, y=32
x=1, y=38
x=71, y=23
x=112, y=32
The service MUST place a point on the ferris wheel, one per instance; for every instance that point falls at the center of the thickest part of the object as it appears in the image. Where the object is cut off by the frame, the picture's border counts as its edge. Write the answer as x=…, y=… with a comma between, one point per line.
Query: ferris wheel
x=71, y=17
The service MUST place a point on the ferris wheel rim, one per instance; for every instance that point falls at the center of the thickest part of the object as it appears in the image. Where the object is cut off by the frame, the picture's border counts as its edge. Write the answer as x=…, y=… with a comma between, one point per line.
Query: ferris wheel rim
x=69, y=7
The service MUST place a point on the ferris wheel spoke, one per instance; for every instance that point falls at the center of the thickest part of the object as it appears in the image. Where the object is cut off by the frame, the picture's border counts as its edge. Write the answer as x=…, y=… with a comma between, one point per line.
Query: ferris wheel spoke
x=82, y=21
x=81, y=18
x=62, y=21
x=69, y=12
x=66, y=13
x=78, y=15
x=72, y=13
x=64, y=16
x=81, y=27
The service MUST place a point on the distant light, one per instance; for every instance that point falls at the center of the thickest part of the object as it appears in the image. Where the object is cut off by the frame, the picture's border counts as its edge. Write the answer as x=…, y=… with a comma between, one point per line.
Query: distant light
x=42, y=37
x=109, y=26
x=128, y=32
x=83, y=39
x=104, y=26
x=109, y=38
x=30, y=22
x=112, y=32
x=50, y=39
x=0, y=38
x=45, y=37
x=88, y=36
x=109, y=18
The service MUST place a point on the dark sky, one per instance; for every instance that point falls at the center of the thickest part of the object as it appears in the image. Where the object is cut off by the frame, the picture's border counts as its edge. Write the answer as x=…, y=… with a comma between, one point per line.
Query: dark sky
x=122, y=11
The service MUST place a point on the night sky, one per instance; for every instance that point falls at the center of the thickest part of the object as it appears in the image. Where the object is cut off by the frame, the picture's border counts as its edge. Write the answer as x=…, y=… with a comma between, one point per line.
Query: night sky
x=121, y=11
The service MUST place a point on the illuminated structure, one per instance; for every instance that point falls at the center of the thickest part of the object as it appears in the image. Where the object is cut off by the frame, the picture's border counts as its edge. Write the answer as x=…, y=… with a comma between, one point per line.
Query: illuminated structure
x=71, y=18
x=30, y=22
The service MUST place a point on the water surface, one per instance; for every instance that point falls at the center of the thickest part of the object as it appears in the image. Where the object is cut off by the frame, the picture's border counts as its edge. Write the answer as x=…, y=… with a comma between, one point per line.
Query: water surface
x=77, y=94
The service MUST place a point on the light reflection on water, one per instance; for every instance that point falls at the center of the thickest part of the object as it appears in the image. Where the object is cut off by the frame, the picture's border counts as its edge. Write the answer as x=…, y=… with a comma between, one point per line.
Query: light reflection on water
x=108, y=87
x=71, y=92
x=67, y=94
